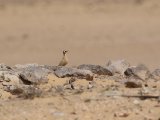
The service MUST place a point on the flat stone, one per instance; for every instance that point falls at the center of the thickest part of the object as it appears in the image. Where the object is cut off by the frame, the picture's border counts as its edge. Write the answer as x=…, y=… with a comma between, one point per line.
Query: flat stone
x=74, y=72
x=97, y=69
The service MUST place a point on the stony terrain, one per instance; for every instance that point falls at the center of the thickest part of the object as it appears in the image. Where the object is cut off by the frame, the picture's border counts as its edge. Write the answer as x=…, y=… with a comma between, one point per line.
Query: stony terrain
x=115, y=91
x=96, y=84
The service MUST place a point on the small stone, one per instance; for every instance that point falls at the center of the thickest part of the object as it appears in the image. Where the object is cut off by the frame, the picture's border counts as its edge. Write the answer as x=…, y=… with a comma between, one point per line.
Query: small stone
x=136, y=102
x=58, y=113
x=121, y=114
x=90, y=85
x=69, y=86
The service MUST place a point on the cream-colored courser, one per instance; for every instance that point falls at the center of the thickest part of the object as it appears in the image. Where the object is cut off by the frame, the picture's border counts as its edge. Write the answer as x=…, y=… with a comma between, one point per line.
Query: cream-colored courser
x=64, y=60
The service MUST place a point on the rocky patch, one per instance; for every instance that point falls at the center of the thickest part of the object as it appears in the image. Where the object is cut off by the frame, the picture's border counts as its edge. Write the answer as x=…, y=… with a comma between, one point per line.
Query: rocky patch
x=96, y=69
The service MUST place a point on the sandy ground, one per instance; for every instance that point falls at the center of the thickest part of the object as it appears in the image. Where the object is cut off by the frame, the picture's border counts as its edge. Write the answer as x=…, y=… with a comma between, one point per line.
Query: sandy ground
x=93, y=33
x=96, y=103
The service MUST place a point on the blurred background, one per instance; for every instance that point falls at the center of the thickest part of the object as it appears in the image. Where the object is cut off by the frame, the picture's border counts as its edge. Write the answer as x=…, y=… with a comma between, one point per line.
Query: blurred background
x=94, y=31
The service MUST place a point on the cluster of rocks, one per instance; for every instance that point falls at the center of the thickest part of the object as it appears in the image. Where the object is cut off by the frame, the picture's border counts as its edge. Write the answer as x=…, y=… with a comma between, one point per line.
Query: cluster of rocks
x=19, y=77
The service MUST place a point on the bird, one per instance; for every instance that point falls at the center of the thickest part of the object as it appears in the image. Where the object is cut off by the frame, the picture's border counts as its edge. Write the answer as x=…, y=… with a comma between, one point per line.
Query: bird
x=64, y=60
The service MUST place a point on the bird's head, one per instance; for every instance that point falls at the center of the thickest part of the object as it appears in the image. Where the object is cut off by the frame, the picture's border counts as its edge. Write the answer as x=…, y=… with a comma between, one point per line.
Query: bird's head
x=65, y=51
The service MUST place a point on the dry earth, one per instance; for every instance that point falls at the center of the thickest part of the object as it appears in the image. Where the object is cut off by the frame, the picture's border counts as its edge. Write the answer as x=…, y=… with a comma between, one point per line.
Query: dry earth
x=93, y=32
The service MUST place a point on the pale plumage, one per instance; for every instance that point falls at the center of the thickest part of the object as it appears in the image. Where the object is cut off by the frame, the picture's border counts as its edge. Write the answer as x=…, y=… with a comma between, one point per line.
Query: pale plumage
x=64, y=60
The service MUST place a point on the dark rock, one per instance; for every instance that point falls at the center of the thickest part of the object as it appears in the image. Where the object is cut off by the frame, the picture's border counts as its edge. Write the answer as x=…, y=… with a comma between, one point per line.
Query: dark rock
x=129, y=72
x=97, y=69
x=118, y=66
x=156, y=74
x=133, y=83
x=140, y=71
x=73, y=72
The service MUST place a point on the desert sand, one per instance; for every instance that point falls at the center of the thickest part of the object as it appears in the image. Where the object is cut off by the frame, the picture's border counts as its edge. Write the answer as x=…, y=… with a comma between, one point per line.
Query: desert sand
x=93, y=32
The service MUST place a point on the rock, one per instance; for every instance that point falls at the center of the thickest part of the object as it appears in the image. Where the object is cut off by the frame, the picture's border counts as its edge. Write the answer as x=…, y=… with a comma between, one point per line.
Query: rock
x=58, y=89
x=74, y=72
x=91, y=84
x=140, y=72
x=29, y=92
x=156, y=74
x=129, y=71
x=97, y=69
x=4, y=67
x=69, y=84
x=133, y=83
x=58, y=113
x=146, y=91
x=136, y=102
x=118, y=66
x=9, y=78
x=31, y=66
x=34, y=75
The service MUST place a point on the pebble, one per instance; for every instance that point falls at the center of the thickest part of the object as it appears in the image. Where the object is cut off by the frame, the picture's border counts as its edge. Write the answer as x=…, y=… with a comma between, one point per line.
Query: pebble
x=121, y=114
x=136, y=102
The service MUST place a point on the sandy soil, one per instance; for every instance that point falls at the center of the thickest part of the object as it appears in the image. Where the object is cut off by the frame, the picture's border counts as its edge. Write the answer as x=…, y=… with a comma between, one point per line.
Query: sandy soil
x=93, y=33
x=96, y=103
